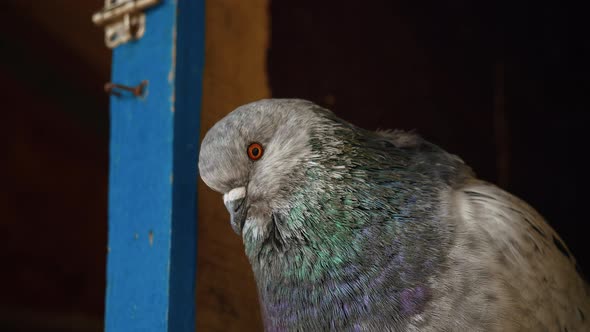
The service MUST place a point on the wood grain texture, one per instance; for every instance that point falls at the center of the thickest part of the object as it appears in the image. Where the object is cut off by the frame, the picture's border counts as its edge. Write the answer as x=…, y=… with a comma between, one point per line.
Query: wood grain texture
x=235, y=73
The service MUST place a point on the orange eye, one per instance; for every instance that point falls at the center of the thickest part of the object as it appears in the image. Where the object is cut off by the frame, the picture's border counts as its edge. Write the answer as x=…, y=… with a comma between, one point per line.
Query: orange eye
x=255, y=151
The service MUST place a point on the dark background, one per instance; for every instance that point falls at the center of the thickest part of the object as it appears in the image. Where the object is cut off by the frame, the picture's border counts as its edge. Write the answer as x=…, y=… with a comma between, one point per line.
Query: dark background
x=54, y=166
x=504, y=88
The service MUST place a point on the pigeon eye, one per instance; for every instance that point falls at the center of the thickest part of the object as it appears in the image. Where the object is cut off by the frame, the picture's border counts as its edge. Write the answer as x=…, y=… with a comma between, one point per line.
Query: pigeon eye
x=255, y=151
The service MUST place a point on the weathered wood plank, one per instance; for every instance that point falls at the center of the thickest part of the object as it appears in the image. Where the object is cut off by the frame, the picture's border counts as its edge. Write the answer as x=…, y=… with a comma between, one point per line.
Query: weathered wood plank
x=152, y=184
x=235, y=73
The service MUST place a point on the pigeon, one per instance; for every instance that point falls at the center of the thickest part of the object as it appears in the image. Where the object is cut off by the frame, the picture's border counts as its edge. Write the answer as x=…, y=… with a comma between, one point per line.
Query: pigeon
x=348, y=229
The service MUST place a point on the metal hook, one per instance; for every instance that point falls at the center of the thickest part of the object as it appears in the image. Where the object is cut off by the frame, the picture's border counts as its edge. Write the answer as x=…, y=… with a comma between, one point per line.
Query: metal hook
x=136, y=90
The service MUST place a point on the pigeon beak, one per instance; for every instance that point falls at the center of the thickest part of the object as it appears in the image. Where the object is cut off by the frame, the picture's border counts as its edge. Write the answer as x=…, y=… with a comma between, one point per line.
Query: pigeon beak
x=235, y=202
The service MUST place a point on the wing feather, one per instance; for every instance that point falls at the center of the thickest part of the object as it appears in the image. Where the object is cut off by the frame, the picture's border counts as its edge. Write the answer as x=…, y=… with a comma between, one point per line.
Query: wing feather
x=530, y=264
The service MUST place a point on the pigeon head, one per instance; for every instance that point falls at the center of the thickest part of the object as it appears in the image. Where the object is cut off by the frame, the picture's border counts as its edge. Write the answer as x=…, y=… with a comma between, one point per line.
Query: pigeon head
x=252, y=154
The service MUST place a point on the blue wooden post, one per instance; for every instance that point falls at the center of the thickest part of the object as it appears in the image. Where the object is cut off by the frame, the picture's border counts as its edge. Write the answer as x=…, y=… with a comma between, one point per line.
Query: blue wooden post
x=153, y=165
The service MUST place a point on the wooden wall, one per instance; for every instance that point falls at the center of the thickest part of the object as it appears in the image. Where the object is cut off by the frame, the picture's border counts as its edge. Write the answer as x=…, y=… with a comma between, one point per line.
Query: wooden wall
x=235, y=73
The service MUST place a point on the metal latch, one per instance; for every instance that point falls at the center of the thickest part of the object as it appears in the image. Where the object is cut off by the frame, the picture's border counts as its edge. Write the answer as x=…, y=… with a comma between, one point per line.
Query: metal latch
x=123, y=20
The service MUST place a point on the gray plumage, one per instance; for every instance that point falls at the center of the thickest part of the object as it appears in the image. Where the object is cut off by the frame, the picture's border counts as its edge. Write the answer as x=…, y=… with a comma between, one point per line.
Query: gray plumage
x=350, y=229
